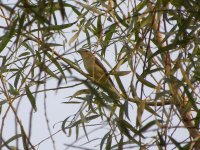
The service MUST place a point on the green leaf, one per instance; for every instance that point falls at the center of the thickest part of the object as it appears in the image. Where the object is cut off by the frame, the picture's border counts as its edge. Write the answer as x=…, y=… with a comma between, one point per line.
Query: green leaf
x=13, y=90
x=24, y=54
x=60, y=27
x=135, y=131
x=123, y=127
x=103, y=140
x=120, y=144
x=145, y=82
x=99, y=27
x=109, y=142
x=187, y=146
x=149, y=125
x=162, y=142
x=15, y=137
x=191, y=99
x=126, y=110
x=54, y=44
x=3, y=102
x=80, y=92
x=31, y=98
x=77, y=132
x=89, y=7
x=120, y=73
x=121, y=21
x=56, y=64
x=149, y=109
x=43, y=67
x=177, y=3
x=73, y=8
x=20, y=27
x=86, y=119
x=146, y=21
x=7, y=37
x=26, y=45
x=121, y=86
x=63, y=124
x=71, y=102
x=3, y=61
x=17, y=78
x=197, y=119
x=140, y=5
x=108, y=37
x=148, y=71
x=169, y=47
x=83, y=125
x=88, y=38
x=78, y=122
x=177, y=144
x=24, y=138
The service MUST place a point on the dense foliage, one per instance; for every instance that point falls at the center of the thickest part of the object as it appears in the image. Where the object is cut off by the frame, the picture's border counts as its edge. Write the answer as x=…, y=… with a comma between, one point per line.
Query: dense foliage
x=150, y=49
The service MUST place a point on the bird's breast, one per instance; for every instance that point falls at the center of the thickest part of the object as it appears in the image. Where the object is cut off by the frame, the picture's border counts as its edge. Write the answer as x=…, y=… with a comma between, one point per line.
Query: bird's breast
x=94, y=70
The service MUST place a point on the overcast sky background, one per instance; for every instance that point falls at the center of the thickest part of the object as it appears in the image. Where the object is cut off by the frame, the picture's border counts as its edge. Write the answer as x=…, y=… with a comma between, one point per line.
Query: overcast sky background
x=58, y=111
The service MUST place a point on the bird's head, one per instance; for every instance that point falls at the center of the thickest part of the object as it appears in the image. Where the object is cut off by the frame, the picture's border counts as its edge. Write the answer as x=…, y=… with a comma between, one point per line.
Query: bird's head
x=85, y=53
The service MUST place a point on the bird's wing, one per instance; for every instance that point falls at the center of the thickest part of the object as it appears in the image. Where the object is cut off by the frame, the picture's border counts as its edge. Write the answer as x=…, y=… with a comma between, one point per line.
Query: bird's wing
x=97, y=61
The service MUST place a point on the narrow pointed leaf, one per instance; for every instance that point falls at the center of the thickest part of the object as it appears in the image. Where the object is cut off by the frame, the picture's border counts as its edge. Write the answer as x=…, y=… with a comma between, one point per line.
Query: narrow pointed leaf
x=31, y=98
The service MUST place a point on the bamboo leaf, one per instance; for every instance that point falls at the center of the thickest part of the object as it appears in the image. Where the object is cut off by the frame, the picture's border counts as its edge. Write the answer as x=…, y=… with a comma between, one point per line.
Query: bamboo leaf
x=24, y=138
x=24, y=54
x=17, y=79
x=7, y=37
x=56, y=27
x=63, y=124
x=74, y=37
x=120, y=73
x=13, y=90
x=43, y=67
x=83, y=125
x=56, y=64
x=177, y=144
x=80, y=92
x=191, y=99
x=31, y=98
x=99, y=27
x=140, y=111
x=149, y=125
x=15, y=137
x=108, y=37
x=89, y=7
x=103, y=140
x=145, y=82
x=109, y=142
x=78, y=122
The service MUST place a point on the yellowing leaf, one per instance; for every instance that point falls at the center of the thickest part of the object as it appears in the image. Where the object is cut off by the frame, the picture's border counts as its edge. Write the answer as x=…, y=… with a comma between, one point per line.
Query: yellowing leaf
x=90, y=8
x=74, y=37
x=80, y=92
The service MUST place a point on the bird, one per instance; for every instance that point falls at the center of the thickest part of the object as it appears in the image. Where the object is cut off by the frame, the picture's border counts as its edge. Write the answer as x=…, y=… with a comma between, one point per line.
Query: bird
x=98, y=72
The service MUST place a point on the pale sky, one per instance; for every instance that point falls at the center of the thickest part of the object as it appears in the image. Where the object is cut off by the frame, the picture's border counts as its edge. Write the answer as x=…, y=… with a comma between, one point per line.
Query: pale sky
x=58, y=111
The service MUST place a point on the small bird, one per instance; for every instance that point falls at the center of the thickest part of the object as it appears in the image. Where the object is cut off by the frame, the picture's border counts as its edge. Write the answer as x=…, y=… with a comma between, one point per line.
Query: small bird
x=98, y=72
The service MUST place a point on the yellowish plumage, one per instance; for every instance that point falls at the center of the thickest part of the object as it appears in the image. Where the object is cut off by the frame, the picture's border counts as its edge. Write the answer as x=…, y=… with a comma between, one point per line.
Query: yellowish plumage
x=96, y=70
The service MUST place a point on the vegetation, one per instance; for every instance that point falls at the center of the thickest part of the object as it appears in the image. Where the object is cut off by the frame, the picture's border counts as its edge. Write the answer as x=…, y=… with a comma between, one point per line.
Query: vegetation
x=150, y=49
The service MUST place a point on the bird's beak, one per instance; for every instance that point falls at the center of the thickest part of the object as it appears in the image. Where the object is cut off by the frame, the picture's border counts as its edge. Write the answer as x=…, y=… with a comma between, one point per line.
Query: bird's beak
x=78, y=51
